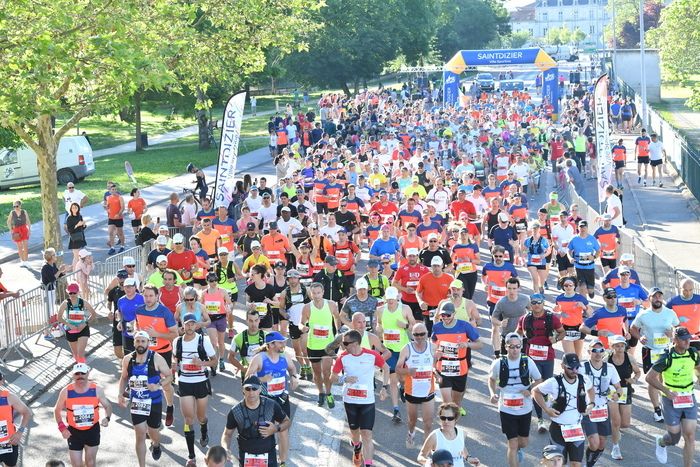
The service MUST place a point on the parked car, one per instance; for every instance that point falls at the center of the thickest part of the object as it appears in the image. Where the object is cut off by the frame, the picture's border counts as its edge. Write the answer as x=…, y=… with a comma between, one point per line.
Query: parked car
x=485, y=81
x=18, y=167
x=511, y=85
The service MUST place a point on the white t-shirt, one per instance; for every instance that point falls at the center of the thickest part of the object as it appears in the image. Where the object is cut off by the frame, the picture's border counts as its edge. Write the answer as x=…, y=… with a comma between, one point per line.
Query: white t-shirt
x=190, y=373
x=292, y=225
x=362, y=367
x=601, y=384
x=521, y=172
x=656, y=151
x=267, y=214
x=254, y=204
x=331, y=232
x=511, y=400
x=570, y=414
x=76, y=196
x=610, y=205
x=654, y=325
x=441, y=197
x=562, y=233
x=189, y=213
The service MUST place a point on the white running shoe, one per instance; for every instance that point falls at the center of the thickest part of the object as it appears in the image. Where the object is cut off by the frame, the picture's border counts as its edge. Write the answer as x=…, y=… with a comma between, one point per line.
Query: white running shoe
x=615, y=453
x=661, y=454
x=410, y=440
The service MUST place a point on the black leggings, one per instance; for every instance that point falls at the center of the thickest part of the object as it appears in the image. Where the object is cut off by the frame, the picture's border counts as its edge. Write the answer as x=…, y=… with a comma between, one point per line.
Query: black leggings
x=469, y=281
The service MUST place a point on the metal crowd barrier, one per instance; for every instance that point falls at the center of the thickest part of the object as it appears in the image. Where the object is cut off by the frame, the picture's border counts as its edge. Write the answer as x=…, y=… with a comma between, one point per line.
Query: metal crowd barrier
x=653, y=270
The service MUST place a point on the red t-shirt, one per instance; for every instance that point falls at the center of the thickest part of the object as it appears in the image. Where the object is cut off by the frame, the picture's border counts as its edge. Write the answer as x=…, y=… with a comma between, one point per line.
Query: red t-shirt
x=457, y=207
x=170, y=298
x=539, y=336
x=184, y=260
x=409, y=276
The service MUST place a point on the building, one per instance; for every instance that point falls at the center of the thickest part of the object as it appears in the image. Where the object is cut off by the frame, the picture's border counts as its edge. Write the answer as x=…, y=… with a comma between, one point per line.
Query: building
x=590, y=16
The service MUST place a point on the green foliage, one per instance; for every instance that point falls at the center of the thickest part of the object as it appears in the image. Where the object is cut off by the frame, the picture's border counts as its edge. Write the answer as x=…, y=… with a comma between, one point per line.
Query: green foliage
x=516, y=39
x=627, y=21
x=558, y=36
x=9, y=139
x=577, y=36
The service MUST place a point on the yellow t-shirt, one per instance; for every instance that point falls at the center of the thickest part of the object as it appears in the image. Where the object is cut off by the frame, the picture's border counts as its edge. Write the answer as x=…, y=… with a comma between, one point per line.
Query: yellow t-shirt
x=251, y=261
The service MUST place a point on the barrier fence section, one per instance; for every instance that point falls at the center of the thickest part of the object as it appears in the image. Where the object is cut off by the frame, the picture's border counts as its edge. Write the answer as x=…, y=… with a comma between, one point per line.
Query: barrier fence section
x=653, y=270
x=34, y=312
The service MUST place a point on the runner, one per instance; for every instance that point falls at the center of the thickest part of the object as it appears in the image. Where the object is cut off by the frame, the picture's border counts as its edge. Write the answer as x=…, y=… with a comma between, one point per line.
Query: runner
x=393, y=322
x=608, y=237
x=292, y=300
x=406, y=280
x=75, y=314
x=358, y=393
x=571, y=393
x=447, y=443
x=465, y=260
x=542, y=330
x=630, y=296
x=256, y=419
x=552, y=456
x=506, y=315
x=653, y=327
x=271, y=367
x=621, y=409
x=228, y=273
x=608, y=320
x=362, y=302
x=143, y=371
x=11, y=435
x=657, y=155
x=81, y=400
x=246, y=344
x=465, y=309
x=538, y=249
x=641, y=151
x=572, y=309
x=687, y=308
x=259, y=296
x=494, y=276
x=612, y=279
x=320, y=320
x=432, y=289
x=562, y=233
x=584, y=249
x=115, y=207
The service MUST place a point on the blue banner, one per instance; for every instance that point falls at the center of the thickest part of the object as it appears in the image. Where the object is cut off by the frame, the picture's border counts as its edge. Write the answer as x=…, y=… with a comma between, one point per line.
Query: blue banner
x=450, y=88
x=499, y=57
x=550, y=87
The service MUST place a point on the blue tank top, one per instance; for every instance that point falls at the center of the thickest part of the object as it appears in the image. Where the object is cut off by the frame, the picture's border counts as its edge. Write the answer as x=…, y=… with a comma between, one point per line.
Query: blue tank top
x=139, y=379
x=278, y=384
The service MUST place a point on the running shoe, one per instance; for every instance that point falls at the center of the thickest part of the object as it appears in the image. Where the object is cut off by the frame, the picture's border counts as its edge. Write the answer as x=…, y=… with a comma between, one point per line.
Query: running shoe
x=410, y=440
x=169, y=417
x=156, y=452
x=661, y=454
x=541, y=426
x=397, y=417
x=658, y=416
x=546, y=286
x=321, y=399
x=191, y=463
x=121, y=250
x=661, y=184
x=639, y=179
x=230, y=334
x=213, y=371
x=330, y=400
x=204, y=439
x=462, y=411
x=222, y=366
x=521, y=456
x=645, y=183
x=111, y=251
x=357, y=454
x=615, y=453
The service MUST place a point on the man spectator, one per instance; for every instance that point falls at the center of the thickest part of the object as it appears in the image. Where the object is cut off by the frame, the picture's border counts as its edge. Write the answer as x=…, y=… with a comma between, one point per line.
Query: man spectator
x=173, y=217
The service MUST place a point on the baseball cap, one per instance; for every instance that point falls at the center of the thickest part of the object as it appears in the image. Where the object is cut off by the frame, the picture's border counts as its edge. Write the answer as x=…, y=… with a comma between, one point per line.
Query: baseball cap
x=279, y=264
x=342, y=230
x=447, y=308
x=274, y=336
x=80, y=368
x=122, y=274
x=571, y=360
x=552, y=451
x=385, y=227
x=301, y=208
x=553, y=195
x=162, y=240
x=391, y=293
x=436, y=261
x=623, y=270
x=161, y=258
x=253, y=188
x=627, y=257
x=583, y=223
x=142, y=335
x=84, y=253
x=163, y=228
x=73, y=287
x=250, y=225
x=412, y=252
x=609, y=291
x=654, y=291
x=273, y=225
x=513, y=335
x=189, y=317
x=442, y=456
x=607, y=217
x=286, y=208
x=595, y=342
x=361, y=284
x=255, y=244
x=537, y=296
x=432, y=236
x=682, y=333
x=252, y=382
x=222, y=250
x=457, y=284
x=617, y=339
x=211, y=276
x=503, y=217
x=332, y=260
x=130, y=282
x=373, y=263
x=178, y=238
x=128, y=261
x=293, y=273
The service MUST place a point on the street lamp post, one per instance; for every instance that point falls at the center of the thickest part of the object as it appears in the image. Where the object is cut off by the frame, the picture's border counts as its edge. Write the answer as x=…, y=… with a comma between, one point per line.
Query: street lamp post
x=614, y=40
x=643, y=76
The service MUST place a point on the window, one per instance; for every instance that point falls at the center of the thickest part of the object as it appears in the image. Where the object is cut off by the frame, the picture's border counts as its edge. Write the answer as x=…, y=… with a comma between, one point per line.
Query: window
x=8, y=157
x=561, y=16
x=544, y=31
x=544, y=16
x=591, y=14
x=592, y=29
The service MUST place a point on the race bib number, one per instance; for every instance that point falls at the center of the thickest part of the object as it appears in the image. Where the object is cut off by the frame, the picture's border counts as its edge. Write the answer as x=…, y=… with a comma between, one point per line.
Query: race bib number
x=392, y=335
x=599, y=414
x=514, y=401
x=276, y=386
x=5, y=448
x=622, y=399
x=4, y=432
x=450, y=368
x=661, y=340
x=449, y=349
x=572, y=433
x=141, y=406
x=225, y=238
x=465, y=268
x=497, y=290
x=138, y=383
x=153, y=342
x=431, y=314
x=212, y=306
x=506, y=256
x=423, y=373
x=261, y=308
x=84, y=415
x=255, y=460
x=608, y=254
x=188, y=367
x=412, y=284
x=357, y=392
x=683, y=400
x=538, y=352
x=654, y=355
x=572, y=335
x=520, y=227
x=536, y=260
x=321, y=332
x=76, y=315
x=585, y=257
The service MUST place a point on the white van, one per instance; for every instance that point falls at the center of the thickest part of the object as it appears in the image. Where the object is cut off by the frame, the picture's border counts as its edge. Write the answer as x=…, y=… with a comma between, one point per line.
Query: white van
x=18, y=167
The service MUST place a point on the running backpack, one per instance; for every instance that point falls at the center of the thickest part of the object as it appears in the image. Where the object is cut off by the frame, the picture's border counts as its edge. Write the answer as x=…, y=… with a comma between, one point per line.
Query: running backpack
x=150, y=361
x=530, y=329
x=246, y=344
x=201, y=352
x=561, y=402
x=504, y=373
x=380, y=287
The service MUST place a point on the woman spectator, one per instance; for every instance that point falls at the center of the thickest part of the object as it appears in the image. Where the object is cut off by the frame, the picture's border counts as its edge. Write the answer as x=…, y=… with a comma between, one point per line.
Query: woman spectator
x=19, y=224
x=137, y=207
x=245, y=219
x=84, y=268
x=146, y=232
x=76, y=231
x=50, y=273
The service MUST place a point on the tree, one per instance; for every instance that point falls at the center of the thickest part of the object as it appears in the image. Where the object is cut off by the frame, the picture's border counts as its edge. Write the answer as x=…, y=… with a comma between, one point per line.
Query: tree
x=577, y=36
x=517, y=39
x=470, y=24
x=76, y=56
x=627, y=21
x=357, y=38
x=679, y=41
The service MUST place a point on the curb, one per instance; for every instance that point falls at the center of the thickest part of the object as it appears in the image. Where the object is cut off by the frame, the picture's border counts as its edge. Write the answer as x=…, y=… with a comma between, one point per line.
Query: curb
x=637, y=204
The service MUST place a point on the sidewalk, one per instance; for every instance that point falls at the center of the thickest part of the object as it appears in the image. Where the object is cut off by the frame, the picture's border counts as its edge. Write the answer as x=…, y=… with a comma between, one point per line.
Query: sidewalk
x=665, y=219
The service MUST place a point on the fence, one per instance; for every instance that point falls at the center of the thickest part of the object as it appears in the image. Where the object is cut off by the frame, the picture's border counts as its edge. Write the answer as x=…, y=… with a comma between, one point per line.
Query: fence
x=653, y=270
x=33, y=313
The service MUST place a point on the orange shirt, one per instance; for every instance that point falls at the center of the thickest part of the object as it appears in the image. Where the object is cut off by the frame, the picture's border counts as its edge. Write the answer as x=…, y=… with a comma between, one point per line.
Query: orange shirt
x=137, y=206
x=209, y=241
x=275, y=247
x=114, y=206
x=434, y=289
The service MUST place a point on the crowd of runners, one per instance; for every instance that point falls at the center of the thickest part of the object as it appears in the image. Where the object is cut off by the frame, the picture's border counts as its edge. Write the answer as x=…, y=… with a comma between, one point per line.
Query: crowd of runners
x=388, y=214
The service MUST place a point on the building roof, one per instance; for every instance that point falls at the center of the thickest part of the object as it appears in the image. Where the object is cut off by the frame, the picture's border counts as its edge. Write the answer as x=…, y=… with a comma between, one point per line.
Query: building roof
x=523, y=13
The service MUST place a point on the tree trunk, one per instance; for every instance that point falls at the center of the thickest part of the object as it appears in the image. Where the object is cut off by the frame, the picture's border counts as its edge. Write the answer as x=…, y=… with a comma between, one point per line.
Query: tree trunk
x=137, y=120
x=202, y=119
x=356, y=85
x=346, y=89
x=46, y=162
x=272, y=84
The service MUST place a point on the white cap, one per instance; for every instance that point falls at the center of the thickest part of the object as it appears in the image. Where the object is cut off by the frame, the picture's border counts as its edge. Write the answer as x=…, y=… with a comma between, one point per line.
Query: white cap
x=286, y=208
x=412, y=251
x=178, y=238
x=432, y=236
x=128, y=261
x=361, y=284
x=391, y=293
x=436, y=261
x=141, y=334
x=163, y=227
x=627, y=257
x=83, y=253
x=222, y=250
x=129, y=281
x=162, y=240
x=254, y=244
x=80, y=368
x=161, y=258
x=503, y=217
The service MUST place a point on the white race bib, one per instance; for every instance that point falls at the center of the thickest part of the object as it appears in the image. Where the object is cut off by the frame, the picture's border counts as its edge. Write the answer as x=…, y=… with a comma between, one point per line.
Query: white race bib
x=536, y=260
x=599, y=414
x=392, y=335
x=683, y=400
x=572, y=433
x=513, y=401
x=538, y=352
x=141, y=406
x=84, y=415
x=321, y=332
x=450, y=368
x=255, y=460
x=261, y=308
x=356, y=393
x=276, y=386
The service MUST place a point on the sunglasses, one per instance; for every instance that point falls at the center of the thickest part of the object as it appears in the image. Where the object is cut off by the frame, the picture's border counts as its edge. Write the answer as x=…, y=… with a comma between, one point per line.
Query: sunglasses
x=177, y=243
x=419, y=334
x=597, y=350
x=568, y=284
x=433, y=241
x=223, y=254
x=76, y=374
x=445, y=418
x=348, y=343
x=499, y=256
x=72, y=293
x=252, y=388
x=536, y=302
x=130, y=266
x=189, y=299
x=515, y=346
x=610, y=296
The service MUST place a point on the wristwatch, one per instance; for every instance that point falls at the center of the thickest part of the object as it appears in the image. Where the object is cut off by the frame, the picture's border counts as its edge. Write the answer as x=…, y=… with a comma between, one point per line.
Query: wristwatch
x=385, y=386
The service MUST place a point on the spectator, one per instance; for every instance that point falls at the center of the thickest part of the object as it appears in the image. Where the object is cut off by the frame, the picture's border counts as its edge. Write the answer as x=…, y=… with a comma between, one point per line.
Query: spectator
x=75, y=226
x=19, y=224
